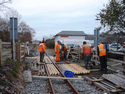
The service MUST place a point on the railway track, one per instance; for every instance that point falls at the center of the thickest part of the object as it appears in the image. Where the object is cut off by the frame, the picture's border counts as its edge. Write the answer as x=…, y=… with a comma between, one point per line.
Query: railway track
x=57, y=85
x=60, y=86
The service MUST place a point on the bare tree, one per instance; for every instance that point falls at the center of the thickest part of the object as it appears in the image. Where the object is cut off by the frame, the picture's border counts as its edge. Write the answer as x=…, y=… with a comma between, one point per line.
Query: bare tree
x=50, y=36
x=26, y=33
x=12, y=13
x=2, y=2
x=5, y=22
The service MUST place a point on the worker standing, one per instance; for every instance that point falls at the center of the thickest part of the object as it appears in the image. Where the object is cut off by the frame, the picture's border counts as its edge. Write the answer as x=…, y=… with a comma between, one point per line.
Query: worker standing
x=57, y=51
x=103, y=58
x=27, y=48
x=64, y=49
x=42, y=50
x=86, y=53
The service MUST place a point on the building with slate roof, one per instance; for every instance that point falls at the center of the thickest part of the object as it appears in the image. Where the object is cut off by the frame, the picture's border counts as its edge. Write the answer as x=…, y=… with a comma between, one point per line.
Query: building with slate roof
x=90, y=38
x=71, y=37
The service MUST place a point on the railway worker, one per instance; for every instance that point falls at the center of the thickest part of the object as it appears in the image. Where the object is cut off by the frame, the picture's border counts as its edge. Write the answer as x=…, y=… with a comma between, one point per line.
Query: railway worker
x=64, y=49
x=27, y=48
x=86, y=53
x=102, y=55
x=57, y=51
x=42, y=50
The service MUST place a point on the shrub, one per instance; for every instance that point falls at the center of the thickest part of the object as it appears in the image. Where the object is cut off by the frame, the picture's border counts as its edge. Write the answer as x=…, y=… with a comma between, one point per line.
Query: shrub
x=50, y=43
x=15, y=67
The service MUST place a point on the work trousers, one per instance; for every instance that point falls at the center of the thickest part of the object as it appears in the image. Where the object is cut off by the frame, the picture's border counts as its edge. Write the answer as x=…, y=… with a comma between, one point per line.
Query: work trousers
x=27, y=50
x=41, y=57
x=65, y=54
x=87, y=59
x=57, y=56
x=103, y=63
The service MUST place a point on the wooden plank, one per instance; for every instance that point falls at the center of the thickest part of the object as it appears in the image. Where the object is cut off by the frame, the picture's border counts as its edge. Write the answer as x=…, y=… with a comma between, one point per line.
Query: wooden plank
x=112, y=87
x=113, y=69
x=120, y=75
x=115, y=79
x=3, y=43
x=119, y=61
x=94, y=70
x=68, y=52
x=119, y=53
x=92, y=80
x=79, y=55
x=22, y=56
x=0, y=52
x=103, y=87
x=116, y=90
x=22, y=51
x=5, y=53
x=47, y=77
x=18, y=54
x=124, y=58
x=22, y=45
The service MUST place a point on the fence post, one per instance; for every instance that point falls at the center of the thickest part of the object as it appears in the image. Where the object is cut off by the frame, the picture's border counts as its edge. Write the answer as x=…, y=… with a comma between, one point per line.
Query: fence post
x=24, y=52
x=123, y=57
x=18, y=51
x=0, y=52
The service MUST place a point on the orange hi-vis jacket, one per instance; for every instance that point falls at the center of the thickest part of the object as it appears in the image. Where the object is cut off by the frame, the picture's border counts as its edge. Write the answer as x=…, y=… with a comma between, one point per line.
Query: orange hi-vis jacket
x=42, y=48
x=102, y=51
x=57, y=48
x=87, y=50
x=65, y=47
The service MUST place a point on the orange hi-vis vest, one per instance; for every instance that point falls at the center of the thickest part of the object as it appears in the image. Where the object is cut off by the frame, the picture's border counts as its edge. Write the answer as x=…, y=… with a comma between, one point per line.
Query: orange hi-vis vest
x=65, y=47
x=102, y=51
x=87, y=50
x=42, y=48
x=57, y=48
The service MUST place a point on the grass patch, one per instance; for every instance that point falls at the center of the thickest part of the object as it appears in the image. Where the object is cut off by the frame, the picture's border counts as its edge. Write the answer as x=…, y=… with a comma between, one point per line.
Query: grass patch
x=15, y=68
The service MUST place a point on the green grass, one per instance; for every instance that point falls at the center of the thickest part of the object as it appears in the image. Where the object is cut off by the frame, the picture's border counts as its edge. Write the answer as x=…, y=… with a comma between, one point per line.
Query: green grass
x=16, y=66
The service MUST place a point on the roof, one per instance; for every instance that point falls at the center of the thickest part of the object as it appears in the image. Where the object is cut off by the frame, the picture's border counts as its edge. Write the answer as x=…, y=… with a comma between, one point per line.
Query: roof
x=71, y=33
x=89, y=37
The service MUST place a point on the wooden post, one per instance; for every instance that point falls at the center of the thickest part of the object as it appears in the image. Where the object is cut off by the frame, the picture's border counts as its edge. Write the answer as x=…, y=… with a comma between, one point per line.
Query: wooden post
x=18, y=53
x=79, y=54
x=12, y=49
x=24, y=52
x=124, y=58
x=0, y=52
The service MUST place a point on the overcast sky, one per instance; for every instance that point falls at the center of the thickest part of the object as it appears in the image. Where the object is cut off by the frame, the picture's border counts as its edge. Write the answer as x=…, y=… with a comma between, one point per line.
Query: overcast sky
x=49, y=17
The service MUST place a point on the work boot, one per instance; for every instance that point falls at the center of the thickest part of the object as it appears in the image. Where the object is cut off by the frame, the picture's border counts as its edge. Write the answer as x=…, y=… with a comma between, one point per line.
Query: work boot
x=90, y=66
x=86, y=67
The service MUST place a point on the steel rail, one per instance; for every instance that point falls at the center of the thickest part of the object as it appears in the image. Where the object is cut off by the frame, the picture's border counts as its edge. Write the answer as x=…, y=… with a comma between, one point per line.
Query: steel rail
x=50, y=82
x=69, y=83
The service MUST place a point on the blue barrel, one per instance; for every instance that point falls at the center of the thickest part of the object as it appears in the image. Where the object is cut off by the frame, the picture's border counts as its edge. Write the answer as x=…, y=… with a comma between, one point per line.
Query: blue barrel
x=69, y=74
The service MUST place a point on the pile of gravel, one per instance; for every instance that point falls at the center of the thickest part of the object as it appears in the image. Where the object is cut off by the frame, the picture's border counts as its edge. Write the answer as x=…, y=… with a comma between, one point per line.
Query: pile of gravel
x=37, y=86
x=61, y=87
x=84, y=88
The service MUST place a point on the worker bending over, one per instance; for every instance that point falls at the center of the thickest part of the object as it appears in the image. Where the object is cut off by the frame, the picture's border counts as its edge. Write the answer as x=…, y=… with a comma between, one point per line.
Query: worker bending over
x=42, y=50
x=64, y=49
x=86, y=53
x=57, y=51
x=102, y=55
